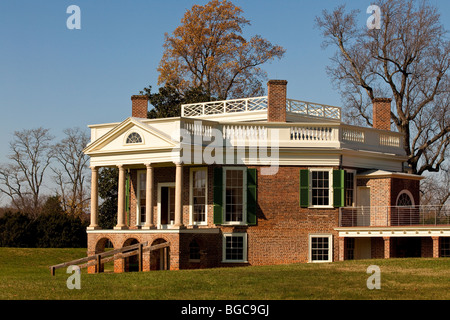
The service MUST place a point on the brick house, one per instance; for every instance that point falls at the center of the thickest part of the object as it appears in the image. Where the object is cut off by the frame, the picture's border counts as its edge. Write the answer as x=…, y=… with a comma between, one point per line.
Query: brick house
x=257, y=181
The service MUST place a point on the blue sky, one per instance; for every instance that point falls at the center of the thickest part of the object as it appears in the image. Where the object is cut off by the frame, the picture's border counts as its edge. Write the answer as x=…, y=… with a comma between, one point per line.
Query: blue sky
x=58, y=78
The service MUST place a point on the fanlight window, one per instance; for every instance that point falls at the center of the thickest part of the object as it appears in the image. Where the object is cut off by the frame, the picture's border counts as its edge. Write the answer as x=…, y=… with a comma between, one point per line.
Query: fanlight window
x=404, y=200
x=134, y=138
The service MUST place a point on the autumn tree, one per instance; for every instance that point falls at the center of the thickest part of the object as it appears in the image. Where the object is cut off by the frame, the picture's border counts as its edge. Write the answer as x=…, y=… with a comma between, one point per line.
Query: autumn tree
x=407, y=60
x=208, y=51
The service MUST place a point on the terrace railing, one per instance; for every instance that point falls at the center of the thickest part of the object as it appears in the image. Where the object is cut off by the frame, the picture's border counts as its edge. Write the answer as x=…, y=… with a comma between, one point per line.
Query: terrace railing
x=392, y=216
x=223, y=107
x=309, y=109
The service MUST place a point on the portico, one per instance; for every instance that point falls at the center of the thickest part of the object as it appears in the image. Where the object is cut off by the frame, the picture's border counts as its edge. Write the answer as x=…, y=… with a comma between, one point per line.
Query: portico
x=149, y=190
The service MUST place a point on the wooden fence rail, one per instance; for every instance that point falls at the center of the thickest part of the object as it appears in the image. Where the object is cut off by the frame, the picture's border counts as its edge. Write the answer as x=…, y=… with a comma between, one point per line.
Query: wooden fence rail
x=103, y=257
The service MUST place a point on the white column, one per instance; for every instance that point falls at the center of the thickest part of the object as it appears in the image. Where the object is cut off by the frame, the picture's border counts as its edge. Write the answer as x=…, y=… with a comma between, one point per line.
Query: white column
x=178, y=197
x=94, y=199
x=149, y=198
x=121, y=200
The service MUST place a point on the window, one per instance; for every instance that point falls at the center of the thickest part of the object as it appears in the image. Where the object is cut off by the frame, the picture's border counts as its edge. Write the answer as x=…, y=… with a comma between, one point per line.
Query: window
x=142, y=180
x=444, y=247
x=349, y=188
x=235, y=185
x=194, y=251
x=325, y=188
x=235, y=196
x=404, y=199
x=134, y=137
x=198, y=192
x=320, y=249
x=234, y=247
x=320, y=188
x=350, y=247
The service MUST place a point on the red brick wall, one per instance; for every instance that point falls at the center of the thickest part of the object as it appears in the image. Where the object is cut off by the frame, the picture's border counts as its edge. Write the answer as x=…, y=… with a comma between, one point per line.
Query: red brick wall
x=139, y=106
x=412, y=186
x=283, y=229
x=382, y=113
x=276, y=111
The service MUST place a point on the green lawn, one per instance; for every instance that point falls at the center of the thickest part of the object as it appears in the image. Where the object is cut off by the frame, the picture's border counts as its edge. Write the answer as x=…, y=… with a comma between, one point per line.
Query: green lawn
x=24, y=274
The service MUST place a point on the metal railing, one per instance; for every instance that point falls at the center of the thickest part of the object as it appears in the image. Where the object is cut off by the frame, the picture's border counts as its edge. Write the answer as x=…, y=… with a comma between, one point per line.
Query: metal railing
x=389, y=216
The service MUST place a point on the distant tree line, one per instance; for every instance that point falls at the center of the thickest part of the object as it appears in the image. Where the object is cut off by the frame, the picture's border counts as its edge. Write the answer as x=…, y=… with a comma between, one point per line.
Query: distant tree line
x=34, y=219
x=53, y=228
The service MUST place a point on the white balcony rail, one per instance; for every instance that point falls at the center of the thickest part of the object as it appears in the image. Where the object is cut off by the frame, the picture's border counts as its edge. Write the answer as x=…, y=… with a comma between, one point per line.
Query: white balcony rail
x=373, y=216
x=314, y=133
x=333, y=135
x=312, y=109
x=305, y=108
x=224, y=107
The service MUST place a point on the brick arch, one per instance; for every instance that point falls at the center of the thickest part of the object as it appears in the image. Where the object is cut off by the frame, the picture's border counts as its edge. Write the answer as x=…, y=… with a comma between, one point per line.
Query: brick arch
x=130, y=264
x=101, y=243
x=160, y=259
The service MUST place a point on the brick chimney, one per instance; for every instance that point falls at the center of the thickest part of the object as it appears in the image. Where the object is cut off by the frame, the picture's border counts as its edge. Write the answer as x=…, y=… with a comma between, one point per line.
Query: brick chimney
x=382, y=113
x=139, y=106
x=276, y=101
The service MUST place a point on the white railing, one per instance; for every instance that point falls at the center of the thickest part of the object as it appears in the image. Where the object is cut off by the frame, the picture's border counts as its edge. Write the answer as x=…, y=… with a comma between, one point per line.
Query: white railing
x=305, y=108
x=384, y=216
x=223, y=107
x=353, y=134
x=390, y=140
x=312, y=109
x=314, y=133
x=242, y=132
x=333, y=135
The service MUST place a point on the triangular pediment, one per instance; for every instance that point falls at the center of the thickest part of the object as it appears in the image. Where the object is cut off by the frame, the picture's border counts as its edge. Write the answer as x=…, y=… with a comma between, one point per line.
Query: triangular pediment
x=145, y=138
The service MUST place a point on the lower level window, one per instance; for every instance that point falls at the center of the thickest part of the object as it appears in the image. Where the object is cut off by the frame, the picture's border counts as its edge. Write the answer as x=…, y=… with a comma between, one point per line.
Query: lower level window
x=320, y=248
x=445, y=247
x=235, y=247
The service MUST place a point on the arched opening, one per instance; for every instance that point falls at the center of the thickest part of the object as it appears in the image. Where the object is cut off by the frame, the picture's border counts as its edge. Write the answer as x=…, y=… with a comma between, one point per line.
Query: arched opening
x=405, y=212
x=102, y=245
x=405, y=199
x=160, y=258
x=131, y=262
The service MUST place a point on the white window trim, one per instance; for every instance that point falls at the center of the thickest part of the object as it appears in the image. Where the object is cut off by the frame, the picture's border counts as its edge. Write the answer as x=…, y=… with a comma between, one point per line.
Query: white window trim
x=409, y=195
x=138, y=198
x=133, y=130
x=191, y=197
x=330, y=248
x=354, y=185
x=244, y=196
x=330, y=187
x=244, y=243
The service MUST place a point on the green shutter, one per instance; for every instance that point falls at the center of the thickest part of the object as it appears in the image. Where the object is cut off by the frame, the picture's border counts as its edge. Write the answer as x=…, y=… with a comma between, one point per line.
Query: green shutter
x=338, y=188
x=304, y=188
x=218, y=196
x=251, y=197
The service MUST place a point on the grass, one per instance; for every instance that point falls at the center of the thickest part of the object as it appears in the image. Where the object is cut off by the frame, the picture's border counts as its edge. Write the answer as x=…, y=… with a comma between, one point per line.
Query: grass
x=24, y=274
